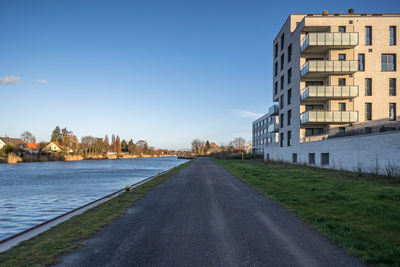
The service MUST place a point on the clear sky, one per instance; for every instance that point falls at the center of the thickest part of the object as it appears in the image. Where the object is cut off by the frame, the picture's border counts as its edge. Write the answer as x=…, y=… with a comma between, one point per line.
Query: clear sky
x=166, y=71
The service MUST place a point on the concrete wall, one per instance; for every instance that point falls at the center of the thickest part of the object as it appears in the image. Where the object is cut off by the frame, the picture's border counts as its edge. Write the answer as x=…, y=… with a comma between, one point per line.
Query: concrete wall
x=349, y=153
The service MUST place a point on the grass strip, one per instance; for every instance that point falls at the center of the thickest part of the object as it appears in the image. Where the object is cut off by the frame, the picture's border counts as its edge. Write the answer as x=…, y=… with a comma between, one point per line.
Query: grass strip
x=46, y=248
x=359, y=214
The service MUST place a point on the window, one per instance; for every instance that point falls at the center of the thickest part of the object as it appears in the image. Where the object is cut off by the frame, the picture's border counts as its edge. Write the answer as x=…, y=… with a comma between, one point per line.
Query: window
x=342, y=106
x=361, y=62
x=276, y=68
x=294, y=157
x=281, y=139
x=289, y=117
x=368, y=111
x=281, y=122
x=276, y=88
x=342, y=129
x=392, y=111
x=282, y=81
x=289, y=51
x=342, y=81
x=314, y=131
x=368, y=86
x=392, y=87
x=282, y=105
x=289, y=96
x=276, y=50
x=392, y=30
x=311, y=158
x=282, y=61
x=282, y=41
x=289, y=138
x=324, y=158
x=342, y=28
x=388, y=62
x=314, y=107
x=368, y=35
x=289, y=76
x=342, y=56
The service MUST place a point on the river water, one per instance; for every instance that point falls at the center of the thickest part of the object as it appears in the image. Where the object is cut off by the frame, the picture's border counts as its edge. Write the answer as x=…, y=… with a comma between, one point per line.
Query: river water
x=31, y=193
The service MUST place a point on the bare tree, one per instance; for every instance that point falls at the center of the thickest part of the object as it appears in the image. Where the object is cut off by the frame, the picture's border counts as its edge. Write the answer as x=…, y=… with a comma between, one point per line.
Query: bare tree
x=238, y=143
x=70, y=142
x=27, y=137
x=197, y=146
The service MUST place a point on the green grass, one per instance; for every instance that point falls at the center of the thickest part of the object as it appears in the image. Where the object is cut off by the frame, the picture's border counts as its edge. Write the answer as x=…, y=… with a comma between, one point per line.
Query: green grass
x=46, y=248
x=360, y=214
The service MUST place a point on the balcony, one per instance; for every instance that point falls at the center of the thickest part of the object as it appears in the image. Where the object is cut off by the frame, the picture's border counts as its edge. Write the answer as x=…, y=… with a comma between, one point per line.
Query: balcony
x=273, y=128
x=321, y=42
x=321, y=92
x=330, y=117
x=323, y=68
x=273, y=110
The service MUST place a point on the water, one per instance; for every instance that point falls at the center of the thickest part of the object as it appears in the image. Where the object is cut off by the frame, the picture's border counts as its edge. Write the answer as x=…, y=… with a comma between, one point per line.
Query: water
x=31, y=193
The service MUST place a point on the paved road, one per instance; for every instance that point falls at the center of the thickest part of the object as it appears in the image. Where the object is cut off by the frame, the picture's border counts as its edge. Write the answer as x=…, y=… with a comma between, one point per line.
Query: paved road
x=205, y=216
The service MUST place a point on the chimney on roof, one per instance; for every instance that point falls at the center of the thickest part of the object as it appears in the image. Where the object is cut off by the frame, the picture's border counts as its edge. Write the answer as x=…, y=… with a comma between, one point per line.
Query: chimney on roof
x=351, y=10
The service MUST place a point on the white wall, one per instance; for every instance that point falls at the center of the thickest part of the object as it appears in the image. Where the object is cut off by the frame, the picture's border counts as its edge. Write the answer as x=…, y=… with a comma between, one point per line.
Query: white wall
x=2, y=144
x=348, y=153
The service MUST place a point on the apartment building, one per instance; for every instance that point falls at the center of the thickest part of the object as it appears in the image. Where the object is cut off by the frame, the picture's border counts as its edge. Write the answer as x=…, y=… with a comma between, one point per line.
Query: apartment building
x=334, y=74
x=265, y=130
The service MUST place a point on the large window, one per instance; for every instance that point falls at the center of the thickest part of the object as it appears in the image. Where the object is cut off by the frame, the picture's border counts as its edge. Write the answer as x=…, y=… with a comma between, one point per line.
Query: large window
x=289, y=138
x=392, y=111
x=314, y=107
x=342, y=28
x=276, y=68
x=342, y=106
x=276, y=50
x=289, y=117
x=368, y=86
x=368, y=35
x=311, y=158
x=289, y=76
x=368, y=111
x=281, y=120
x=324, y=158
x=282, y=81
x=282, y=61
x=289, y=96
x=282, y=41
x=392, y=30
x=276, y=88
x=314, y=131
x=342, y=56
x=388, y=62
x=342, y=81
x=392, y=87
x=281, y=139
x=281, y=100
x=361, y=62
x=289, y=56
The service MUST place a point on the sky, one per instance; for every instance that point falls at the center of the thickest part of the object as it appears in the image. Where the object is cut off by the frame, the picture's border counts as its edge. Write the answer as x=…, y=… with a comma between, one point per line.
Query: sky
x=166, y=71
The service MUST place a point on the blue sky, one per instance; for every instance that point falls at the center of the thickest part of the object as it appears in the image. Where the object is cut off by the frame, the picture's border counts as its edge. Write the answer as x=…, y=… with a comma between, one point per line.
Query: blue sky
x=165, y=71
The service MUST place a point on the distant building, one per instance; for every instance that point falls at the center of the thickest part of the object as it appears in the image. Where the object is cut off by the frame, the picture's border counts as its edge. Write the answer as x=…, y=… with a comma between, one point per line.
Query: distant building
x=16, y=143
x=265, y=130
x=53, y=147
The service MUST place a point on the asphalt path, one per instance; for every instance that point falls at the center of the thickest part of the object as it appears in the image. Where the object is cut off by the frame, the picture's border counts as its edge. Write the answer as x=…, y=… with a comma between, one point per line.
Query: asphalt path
x=205, y=216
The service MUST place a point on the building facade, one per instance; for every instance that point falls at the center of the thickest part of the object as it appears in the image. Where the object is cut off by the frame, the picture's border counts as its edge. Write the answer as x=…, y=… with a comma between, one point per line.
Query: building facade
x=334, y=75
x=265, y=130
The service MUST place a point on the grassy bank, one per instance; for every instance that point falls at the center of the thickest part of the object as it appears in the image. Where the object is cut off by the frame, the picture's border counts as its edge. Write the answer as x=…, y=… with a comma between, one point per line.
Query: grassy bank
x=360, y=214
x=46, y=248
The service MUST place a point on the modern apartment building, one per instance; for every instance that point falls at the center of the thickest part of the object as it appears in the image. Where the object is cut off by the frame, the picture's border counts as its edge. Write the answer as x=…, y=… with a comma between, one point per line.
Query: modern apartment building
x=265, y=130
x=334, y=74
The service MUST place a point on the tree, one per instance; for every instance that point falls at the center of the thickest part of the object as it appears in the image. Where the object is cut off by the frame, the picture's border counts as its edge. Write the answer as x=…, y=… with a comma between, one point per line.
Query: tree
x=124, y=146
x=113, y=147
x=56, y=135
x=238, y=143
x=106, y=144
x=118, y=145
x=88, y=144
x=197, y=146
x=27, y=137
x=132, y=148
x=70, y=142
x=207, y=146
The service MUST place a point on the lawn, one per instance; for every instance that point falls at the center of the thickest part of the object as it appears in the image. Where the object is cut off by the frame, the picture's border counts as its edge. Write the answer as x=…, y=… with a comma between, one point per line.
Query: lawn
x=359, y=213
x=46, y=248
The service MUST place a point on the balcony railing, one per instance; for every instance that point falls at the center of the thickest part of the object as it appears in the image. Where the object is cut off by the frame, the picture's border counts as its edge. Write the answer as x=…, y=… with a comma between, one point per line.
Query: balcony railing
x=330, y=117
x=272, y=128
x=318, y=68
x=329, y=40
x=273, y=110
x=329, y=92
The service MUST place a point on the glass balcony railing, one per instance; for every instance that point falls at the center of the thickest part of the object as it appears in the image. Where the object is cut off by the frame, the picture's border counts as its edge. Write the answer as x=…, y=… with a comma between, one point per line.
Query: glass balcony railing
x=329, y=92
x=331, y=117
x=329, y=40
x=273, y=110
x=318, y=68
x=272, y=128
